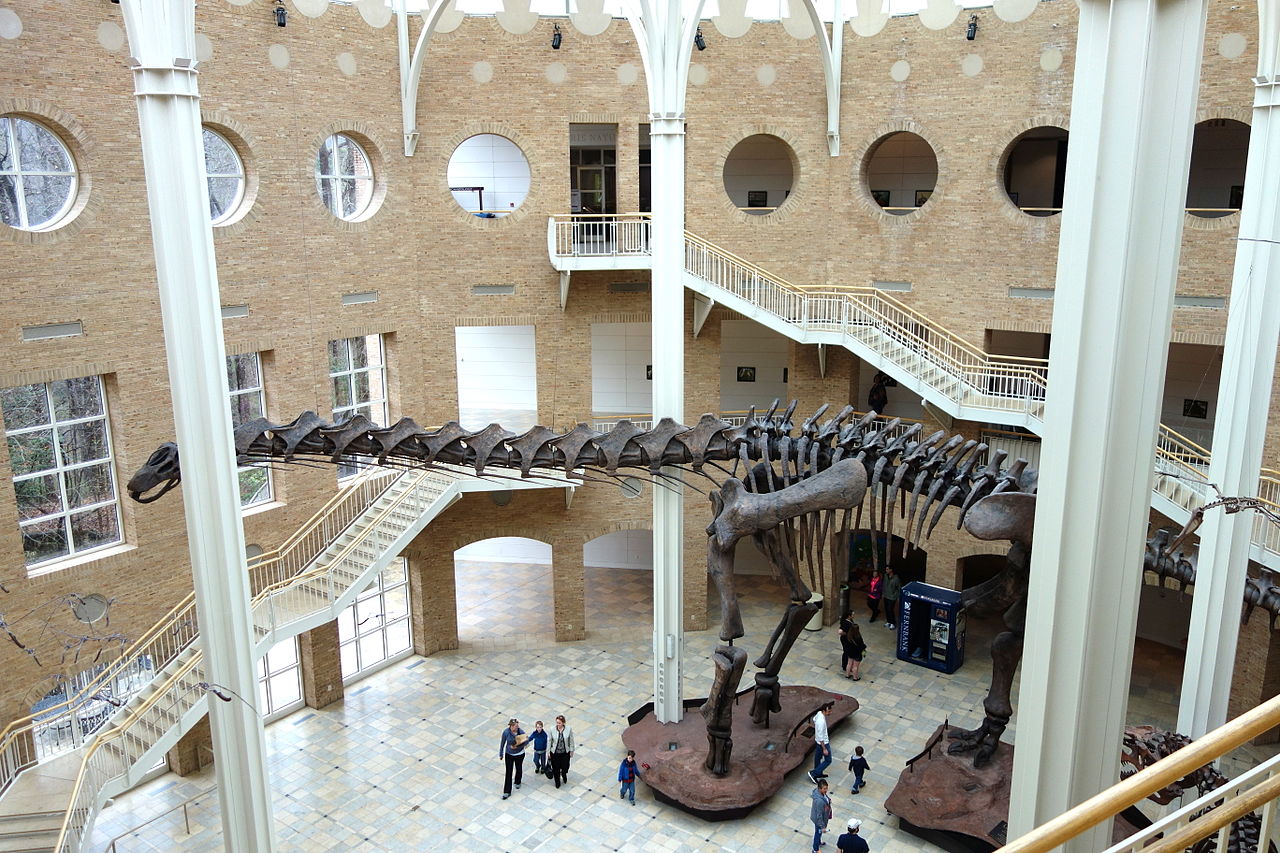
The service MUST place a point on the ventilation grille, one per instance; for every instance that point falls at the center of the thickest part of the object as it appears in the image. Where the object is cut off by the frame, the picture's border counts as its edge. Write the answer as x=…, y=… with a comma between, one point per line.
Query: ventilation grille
x=896, y=286
x=360, y=298
x=1031, y=292
x=1199, y=302
x=52, y=330
x=230, y=312
x=493, y=289
x=629, y=287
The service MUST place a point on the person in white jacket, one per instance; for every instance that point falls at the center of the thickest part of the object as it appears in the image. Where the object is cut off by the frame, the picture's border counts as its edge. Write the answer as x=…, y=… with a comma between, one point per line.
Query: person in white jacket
x=560, y=750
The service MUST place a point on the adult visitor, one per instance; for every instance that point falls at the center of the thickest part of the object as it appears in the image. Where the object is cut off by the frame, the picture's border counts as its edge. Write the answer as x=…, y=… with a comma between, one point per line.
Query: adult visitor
x=851, y=841
x=511, y=750
x=560, y=750
x=892, y=591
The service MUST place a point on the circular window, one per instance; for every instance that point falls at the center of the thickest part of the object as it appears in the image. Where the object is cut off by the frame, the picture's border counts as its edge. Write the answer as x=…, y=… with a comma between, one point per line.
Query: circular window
x=630, y=487
x=344, y=177
x=1215, y=186
x=488, y=175
x=1035, y=166
x=225, y=174
x=759, y=174
x=901, y=171
x=37, y=175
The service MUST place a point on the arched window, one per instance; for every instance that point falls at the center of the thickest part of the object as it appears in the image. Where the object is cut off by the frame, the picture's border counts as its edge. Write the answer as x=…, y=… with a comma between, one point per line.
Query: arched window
x=225, y=174
x=37, y=175
x=344, y=177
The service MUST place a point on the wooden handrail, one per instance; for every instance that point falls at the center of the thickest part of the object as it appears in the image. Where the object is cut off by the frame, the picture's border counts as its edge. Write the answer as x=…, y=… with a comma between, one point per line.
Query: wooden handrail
x=1107, y=804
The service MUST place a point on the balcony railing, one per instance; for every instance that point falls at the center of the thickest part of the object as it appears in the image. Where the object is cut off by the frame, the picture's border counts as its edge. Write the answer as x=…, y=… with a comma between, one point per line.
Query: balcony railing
x=600, y=234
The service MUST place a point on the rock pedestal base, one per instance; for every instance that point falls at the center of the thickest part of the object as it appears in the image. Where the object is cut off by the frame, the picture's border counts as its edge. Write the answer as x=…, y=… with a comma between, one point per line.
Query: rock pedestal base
x=762, y=758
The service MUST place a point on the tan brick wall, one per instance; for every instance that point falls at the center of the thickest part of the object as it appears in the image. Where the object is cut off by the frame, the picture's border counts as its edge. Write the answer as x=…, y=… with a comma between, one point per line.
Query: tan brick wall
x=321, y=665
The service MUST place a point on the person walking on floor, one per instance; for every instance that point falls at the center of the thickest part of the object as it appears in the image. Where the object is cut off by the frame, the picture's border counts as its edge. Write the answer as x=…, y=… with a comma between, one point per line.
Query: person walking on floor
x=821, y=743
x=511, y=750
x=851, y=841
x=874, y=592
x=560, y=746
x=858, y=764
x=819, y=812
x=627, y=776
x=852, y=646
x=892, y=590
x=539, y=738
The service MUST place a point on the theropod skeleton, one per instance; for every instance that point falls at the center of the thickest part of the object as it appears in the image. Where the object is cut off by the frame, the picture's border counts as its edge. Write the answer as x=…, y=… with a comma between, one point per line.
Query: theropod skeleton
x=797, y=496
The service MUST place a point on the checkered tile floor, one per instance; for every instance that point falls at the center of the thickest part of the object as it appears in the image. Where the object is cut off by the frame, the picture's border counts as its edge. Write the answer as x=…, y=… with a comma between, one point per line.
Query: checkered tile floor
x=409, y=761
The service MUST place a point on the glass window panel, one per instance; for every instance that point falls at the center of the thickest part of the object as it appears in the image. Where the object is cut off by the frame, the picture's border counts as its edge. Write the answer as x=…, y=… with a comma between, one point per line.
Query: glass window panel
x=83, y=442
x=346, y=624
x=255, y=486
x=38, y=496
x=398, y=637
x=9, y=212
x=339, y=357
x=31, y=451
x=393, y=574
x=244, y=408
x=341, y=392
x=24, y=406
x=285, y=690
x=44, y=540
x=369, y=614
x=263, y=703
x=224, y=197
x=242, y=372
x=219, y=157
x=361, y=391
x=350, y=664
x=360, y=166
x=76, y=398
x=39, y=150
x=283, y=655
x=324, y=188
x=396, y=603
x=359, y=352
x=88, y=485
x=324, y=165
x=94, y=528
x=373, y=350
x=371, y=650
x=46, y=196
x=7, y=147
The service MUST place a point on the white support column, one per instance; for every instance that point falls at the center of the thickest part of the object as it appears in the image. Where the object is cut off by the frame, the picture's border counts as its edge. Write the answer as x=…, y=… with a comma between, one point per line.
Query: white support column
x=162, y=40
x=1244, y=396
x=1136, y=83
x=666, y=134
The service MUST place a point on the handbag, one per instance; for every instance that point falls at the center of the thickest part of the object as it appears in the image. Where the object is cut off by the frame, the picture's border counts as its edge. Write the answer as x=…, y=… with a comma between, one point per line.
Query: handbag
x=546, y=768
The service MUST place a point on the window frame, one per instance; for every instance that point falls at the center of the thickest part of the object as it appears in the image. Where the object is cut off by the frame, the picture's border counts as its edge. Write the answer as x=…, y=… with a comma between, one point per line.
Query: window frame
x=266, y=676
x=348, y=624
x=7, y=129
x=233, y=210
x=380, y=416
x=233, y=393
x=335, y=177
x=53, y=425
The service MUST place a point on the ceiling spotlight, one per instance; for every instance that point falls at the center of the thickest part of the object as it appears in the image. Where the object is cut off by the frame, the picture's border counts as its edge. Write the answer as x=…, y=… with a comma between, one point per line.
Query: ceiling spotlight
x=698, y=41
x=282, y=15
x=971, y=31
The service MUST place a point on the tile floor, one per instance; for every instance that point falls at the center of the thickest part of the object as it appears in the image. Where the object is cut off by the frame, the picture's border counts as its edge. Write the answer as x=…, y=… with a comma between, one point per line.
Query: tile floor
x=409, y=762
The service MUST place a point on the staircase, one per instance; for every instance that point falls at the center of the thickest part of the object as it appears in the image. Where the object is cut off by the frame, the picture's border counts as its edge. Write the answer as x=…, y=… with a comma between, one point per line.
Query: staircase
x=155, y=689
x=943, y=368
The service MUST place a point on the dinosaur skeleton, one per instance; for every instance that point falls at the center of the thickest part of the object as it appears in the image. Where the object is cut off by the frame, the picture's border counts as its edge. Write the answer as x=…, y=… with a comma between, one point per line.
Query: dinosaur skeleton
x=1143, y=746
x=794, y=495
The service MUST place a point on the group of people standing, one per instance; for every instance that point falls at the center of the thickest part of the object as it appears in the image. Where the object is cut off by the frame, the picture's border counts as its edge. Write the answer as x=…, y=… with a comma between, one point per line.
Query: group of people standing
x=552, y=752
x=885, y=587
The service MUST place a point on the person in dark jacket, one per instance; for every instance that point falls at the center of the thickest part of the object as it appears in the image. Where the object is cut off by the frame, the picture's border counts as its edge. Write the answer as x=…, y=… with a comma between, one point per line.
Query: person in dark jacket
x=627, y=771
x=511, y=750
x=851, y=841
x=819, y=812
x=858, y=765
x=539, y=739
x=892, y=590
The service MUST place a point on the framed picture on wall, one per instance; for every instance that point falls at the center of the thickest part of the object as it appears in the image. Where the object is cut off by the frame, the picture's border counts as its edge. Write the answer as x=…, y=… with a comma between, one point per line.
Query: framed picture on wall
x=757, y=198
x=746, y=374
x=1193, y=409
x=922, y=196
x=881, y=197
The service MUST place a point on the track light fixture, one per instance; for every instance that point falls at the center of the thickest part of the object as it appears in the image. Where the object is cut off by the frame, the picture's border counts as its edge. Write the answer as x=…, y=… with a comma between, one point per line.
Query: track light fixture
x=556, y=38
x=698, y=41
x=971, y=31
x=282, y=14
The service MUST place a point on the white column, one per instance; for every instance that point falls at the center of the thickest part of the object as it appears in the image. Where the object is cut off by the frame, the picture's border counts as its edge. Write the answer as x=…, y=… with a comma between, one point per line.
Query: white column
x=1136, y=82
x=162, y=39
x=1244, y=395
x=666, y=135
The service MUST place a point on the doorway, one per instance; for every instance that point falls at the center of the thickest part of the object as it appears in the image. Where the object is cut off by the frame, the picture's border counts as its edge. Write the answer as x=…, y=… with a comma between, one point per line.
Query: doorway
x=593, y=157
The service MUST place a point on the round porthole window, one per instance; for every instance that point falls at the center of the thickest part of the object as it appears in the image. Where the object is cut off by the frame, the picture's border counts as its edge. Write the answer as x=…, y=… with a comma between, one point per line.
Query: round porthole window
x=488, y=176
x=759, y=174
x=344, y=177
x=901, y=171
x=630, y=487
x=37, y=175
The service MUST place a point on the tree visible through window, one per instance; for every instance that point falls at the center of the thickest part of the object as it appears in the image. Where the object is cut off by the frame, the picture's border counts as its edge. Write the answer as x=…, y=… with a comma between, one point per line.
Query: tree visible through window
x=244, y=379
x=63, y=475
x=344, y=177
x=358, y=380
x=225, y=174
x=37, y=175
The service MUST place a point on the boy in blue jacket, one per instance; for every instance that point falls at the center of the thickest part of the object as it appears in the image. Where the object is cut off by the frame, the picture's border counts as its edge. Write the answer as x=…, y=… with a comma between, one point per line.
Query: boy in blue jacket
x=627, y=776
x=539, y=738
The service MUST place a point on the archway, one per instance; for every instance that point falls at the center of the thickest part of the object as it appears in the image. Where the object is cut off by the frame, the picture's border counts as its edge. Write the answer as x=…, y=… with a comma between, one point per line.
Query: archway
x=504, y=589
x=618, y=583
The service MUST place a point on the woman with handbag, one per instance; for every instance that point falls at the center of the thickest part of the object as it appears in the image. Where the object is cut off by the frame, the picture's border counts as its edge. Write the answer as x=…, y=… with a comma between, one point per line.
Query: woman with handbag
x=511, y=750
x=560, y=749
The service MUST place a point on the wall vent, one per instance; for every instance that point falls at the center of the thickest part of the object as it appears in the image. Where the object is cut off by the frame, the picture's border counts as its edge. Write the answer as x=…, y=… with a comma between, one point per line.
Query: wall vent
x=52, y=330
x=230, y=312
x=1031, y=292
x=628, y=287
x=896, y=286
x=492, y=289
x=360, y=298
x=1199, y=302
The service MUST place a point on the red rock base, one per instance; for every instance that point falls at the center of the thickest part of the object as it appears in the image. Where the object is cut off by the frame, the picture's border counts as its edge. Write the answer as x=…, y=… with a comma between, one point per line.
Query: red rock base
x=761, y=757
